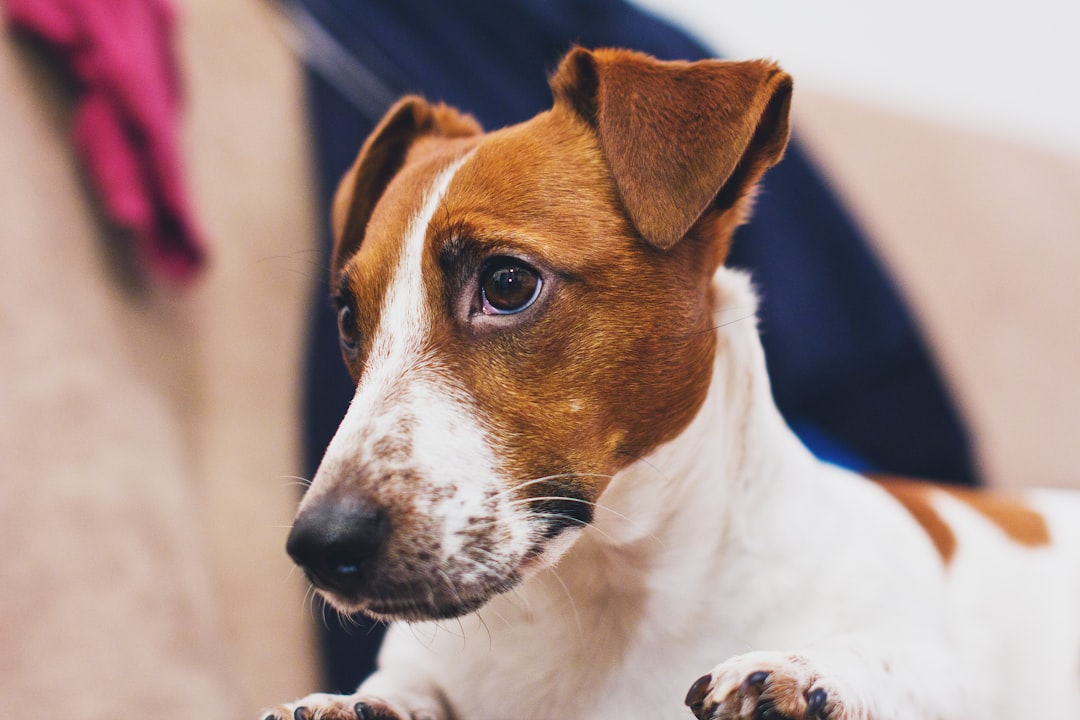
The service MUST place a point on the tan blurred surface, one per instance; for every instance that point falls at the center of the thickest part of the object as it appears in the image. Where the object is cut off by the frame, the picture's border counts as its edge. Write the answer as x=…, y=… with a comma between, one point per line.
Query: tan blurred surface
x=146, y=435
x=983, y=236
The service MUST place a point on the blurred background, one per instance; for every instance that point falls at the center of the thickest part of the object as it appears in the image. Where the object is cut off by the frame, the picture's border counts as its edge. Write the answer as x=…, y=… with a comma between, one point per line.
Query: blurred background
x=168, y=371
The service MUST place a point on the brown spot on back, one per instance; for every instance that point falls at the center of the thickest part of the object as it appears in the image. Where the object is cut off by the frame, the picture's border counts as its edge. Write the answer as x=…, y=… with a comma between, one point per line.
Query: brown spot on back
x=915, y=497
x=1019, y=522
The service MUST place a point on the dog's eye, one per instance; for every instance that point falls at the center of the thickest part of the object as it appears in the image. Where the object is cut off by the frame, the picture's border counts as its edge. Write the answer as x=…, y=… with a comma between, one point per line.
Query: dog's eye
x=508, y=286
x=347, y=329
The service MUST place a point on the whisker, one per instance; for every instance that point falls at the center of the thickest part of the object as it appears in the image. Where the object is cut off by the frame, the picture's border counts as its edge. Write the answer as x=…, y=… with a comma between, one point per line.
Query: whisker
x=521, y=485
x=295, y=480
x=640, y=459
x=582, y=523
x=711, y=328
x=629, y=520
x=304, y=602
x=313, y=598
x=483, y=623
x=563, y=498
x=573, y=603
x=322, y=612
x=461, y=629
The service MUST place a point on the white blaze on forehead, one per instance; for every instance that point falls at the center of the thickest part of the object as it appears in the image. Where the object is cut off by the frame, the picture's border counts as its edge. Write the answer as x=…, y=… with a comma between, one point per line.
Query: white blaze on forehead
x=405, y=399
x=396, y=347
x=406, y=316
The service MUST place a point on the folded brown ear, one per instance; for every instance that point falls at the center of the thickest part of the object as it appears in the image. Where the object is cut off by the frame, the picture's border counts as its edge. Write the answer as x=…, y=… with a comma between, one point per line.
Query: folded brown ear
x=382, y=156
x=678, y=137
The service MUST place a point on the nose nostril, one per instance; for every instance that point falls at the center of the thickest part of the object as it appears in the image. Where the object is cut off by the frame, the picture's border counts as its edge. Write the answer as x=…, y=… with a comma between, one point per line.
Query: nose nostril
x=336, y=543
x=344, y=565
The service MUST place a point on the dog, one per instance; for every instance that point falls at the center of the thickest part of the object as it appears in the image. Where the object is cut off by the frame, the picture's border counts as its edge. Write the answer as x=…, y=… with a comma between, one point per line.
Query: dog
x=563, y=479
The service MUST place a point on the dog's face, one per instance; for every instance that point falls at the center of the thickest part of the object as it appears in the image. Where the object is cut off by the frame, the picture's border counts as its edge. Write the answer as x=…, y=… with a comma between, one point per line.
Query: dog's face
x=525, y=313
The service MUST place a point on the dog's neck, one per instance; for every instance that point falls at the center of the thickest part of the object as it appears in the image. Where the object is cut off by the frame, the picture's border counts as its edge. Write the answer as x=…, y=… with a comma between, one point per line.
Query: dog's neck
x=705, y=489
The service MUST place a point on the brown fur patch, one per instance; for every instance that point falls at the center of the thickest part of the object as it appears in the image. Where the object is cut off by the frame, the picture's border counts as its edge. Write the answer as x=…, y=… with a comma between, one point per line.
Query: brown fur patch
x=915, y=497
x=679, y=137
x=1019, y=522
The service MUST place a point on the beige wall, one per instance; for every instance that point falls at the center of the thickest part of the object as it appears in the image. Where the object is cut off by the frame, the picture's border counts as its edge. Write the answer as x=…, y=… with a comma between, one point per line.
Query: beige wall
x=983, y=237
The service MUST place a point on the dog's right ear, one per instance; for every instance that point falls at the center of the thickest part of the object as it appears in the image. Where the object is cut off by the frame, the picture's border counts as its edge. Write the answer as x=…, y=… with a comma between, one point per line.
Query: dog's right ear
x=382, y=156
x=681, y=139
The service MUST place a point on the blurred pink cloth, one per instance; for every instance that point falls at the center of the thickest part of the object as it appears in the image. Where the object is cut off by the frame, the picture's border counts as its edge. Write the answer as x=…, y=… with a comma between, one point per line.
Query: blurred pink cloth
x=126, y=119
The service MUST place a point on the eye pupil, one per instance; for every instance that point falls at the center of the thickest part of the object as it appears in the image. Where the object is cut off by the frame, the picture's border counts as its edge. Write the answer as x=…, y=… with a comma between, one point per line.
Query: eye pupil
x=509, y=288
x=347, y=327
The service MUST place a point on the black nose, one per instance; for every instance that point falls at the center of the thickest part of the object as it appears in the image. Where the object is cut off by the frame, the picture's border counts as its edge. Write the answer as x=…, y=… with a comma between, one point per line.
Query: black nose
x=336, y=541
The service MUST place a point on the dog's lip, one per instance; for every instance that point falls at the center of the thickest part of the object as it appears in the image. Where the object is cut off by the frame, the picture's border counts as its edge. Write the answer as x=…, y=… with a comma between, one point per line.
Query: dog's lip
x=414, y=611
x=417, y=608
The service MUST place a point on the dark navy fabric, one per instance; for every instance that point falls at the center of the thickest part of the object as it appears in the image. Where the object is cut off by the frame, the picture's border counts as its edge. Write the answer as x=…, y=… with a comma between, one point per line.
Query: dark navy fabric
x=849, y=368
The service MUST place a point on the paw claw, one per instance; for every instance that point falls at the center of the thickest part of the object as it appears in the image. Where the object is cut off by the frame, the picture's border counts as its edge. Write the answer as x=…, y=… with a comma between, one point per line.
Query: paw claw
x=765, y=686
x=698, y=691
x=815, y=704
x=301, y=713
x=766, y=710
x=361, y=711
x=755, y=679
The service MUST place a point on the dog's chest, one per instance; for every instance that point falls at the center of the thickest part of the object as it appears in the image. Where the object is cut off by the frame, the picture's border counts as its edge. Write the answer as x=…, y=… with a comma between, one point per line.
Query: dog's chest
x=562, y=646
x=549, y=671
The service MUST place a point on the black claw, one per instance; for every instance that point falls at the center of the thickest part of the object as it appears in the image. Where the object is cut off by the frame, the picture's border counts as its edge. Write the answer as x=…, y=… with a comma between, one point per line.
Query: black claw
x=301, y=713
x=755, y=679
x=271, y=716
x=765, y=710
x=361, y=711
x=698, y=691
x=815, y=704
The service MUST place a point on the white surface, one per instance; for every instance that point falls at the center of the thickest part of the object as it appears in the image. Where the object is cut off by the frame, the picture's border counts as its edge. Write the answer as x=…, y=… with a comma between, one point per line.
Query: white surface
x=1008, y=68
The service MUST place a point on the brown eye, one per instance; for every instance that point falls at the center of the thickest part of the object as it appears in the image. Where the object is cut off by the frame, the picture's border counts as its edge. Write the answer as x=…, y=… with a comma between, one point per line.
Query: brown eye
x=507, y=287
x=347, y=330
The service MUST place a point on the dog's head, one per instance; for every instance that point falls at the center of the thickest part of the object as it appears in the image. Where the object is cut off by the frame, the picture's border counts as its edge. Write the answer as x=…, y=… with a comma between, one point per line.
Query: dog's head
x=524, y=312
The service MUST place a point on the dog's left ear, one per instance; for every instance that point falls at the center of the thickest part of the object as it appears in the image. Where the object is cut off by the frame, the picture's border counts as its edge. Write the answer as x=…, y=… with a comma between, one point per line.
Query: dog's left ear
x=680, y=138
x=409, y=121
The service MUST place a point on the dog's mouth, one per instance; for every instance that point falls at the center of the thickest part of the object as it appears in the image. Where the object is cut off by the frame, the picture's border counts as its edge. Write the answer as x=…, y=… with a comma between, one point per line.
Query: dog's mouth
x=410, y=590
x=439, y=600
x=417, y=610
x=364, y=561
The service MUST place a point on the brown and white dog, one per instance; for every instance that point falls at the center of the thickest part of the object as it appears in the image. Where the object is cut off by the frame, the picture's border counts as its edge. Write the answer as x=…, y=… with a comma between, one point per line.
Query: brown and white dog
x=563, y=437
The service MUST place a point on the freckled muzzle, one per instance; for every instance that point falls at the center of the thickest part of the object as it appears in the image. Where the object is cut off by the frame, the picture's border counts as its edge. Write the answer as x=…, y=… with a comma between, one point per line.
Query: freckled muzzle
x=362, y=561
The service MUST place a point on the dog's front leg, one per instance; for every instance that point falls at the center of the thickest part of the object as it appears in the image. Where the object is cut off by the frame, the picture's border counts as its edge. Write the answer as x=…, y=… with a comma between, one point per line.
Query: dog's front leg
x=874, y=677
x=382, y=697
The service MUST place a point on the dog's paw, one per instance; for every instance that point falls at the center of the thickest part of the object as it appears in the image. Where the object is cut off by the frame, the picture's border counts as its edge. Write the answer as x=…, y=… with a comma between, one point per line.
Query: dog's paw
x=765, y=686
x=321, y=706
